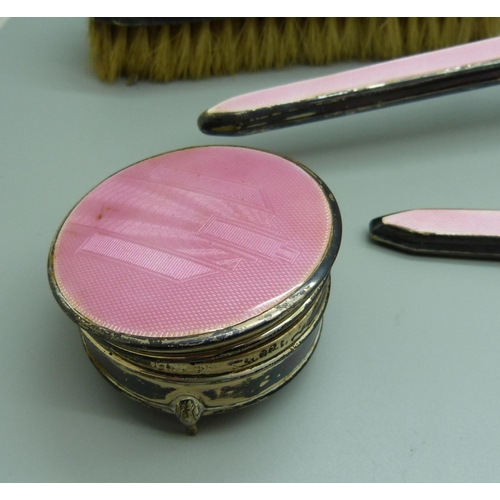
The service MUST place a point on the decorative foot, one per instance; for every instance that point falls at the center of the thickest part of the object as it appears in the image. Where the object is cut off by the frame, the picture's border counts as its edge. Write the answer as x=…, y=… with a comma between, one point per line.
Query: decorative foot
x=188, y=410
x=192, y=431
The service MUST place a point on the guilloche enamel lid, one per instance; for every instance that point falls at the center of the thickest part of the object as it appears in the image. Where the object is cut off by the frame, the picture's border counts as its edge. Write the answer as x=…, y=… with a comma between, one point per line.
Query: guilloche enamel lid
x=194, y=246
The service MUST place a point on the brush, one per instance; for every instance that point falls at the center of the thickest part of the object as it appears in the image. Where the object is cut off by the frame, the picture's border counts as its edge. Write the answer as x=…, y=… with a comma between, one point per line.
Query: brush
x=464, y=67
x=164, y=49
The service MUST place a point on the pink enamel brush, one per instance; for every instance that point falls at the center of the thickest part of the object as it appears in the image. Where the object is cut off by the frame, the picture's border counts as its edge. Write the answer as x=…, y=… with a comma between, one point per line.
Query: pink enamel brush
x=453, y=233
x=464, y=67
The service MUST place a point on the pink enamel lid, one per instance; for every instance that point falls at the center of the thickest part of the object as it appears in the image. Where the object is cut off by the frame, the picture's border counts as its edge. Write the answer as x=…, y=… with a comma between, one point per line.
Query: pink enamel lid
x=192, y=242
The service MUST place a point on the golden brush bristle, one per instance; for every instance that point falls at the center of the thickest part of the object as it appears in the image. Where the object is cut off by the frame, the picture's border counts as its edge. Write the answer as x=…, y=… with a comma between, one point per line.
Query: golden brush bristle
x=220, y=47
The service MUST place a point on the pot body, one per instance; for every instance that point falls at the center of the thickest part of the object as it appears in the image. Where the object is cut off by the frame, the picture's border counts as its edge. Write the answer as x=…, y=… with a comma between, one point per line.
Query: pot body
x=222, y=381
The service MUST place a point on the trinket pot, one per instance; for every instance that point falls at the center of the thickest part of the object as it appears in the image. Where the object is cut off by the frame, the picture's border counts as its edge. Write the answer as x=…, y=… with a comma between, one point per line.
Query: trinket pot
x=199, y=277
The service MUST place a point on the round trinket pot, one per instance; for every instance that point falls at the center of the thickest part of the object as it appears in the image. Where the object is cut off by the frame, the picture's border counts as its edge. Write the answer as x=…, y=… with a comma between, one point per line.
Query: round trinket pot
x=199, y=277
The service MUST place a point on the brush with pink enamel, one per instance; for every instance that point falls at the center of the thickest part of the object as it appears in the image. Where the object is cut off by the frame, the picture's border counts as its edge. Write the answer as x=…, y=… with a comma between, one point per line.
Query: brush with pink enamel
x=453, y=233
x=436, y=73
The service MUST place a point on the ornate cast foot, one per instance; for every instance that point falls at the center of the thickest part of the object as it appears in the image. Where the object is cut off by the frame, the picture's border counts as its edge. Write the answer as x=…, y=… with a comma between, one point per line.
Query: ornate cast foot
x=188, y=410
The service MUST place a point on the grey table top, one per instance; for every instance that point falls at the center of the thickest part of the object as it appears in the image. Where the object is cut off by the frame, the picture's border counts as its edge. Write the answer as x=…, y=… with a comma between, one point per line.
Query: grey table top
x=404, y=385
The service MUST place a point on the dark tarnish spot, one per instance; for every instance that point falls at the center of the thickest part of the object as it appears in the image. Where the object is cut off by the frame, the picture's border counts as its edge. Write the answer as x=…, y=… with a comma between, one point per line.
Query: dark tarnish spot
x=211, y=394
x=250, y=388
x=101, y=213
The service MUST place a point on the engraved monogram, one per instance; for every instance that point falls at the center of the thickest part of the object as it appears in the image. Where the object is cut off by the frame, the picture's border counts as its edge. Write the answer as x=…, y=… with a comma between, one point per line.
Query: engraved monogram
x=187, y=211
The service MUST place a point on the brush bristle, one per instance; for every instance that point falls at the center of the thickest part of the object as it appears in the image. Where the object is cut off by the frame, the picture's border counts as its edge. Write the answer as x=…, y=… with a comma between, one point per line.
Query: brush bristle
x=227, y=46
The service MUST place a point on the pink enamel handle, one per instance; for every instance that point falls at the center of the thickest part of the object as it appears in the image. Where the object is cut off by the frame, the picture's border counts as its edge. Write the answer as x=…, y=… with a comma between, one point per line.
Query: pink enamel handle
x=458, y=233
x=434, y=73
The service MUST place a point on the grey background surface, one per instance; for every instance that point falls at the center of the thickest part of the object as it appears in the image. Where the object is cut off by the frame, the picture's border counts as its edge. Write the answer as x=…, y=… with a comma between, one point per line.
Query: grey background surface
x=404, y=385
